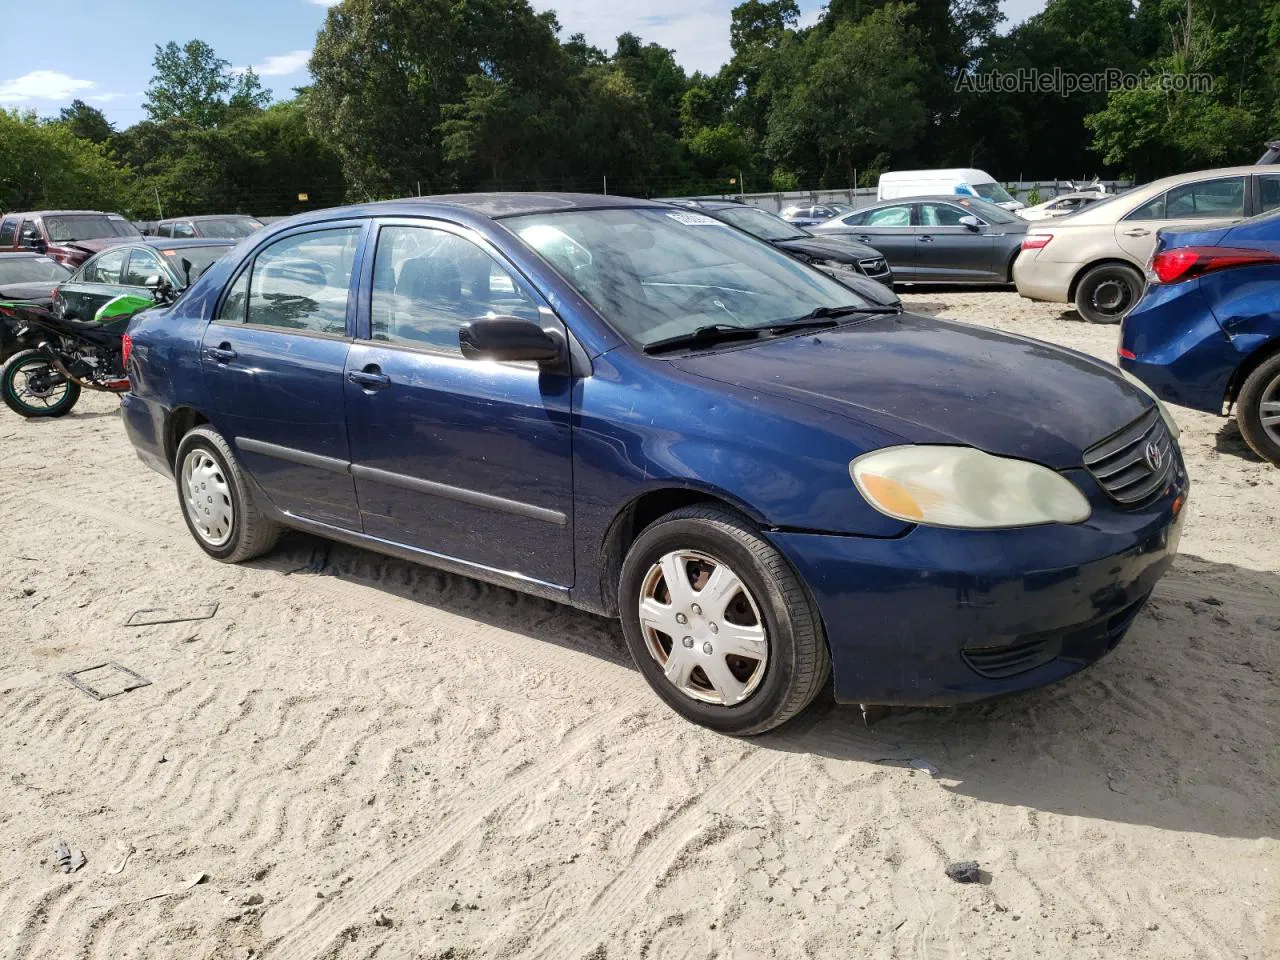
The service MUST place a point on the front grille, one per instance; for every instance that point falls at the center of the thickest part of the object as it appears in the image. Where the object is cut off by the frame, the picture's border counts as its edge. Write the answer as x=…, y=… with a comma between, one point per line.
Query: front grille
x=876, y=267
x=1133, y=464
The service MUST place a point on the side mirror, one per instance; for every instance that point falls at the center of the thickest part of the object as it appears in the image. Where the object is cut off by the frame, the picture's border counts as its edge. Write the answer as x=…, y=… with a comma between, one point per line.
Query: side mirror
x=153, y=281
x=973, y=223
x=507, y=338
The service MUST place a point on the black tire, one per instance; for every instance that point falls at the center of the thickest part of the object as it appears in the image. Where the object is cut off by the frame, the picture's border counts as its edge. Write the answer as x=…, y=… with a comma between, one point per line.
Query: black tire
x=13, y=373
x=798, y=663
x=251, y=534
x=1261, y=386
x=1106, y=293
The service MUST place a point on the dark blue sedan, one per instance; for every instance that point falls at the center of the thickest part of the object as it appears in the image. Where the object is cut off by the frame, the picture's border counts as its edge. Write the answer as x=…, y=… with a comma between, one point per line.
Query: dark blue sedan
x=1207, y=333
x=648, y=414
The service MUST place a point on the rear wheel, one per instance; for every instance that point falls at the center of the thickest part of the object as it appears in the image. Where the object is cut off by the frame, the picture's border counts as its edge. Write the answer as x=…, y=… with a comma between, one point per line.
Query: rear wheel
x=1108, y=292
x=32, y=387
x=216, y=500
x=1258, y=410
x=719, y=624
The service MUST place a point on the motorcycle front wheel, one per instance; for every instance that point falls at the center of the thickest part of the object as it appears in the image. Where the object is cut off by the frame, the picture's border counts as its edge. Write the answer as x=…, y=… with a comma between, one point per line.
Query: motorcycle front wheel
x=32, y=387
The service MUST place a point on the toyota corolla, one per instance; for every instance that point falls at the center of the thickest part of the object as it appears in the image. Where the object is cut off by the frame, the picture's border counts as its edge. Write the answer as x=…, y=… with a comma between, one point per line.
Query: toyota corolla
x=648, y=414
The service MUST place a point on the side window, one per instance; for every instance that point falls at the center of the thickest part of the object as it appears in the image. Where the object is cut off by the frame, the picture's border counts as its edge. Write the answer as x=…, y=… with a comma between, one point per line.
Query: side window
x=854, y=219
x=143, y=264
x=183, y=230
x=1268, y=194
x=302, y=282
x=29, y=234
x=164, y=230
x=427, y=283
x=890, y=217
x=1151, y=210
x=1212, y=198
x=940, y=215
x=8, y=230
x=106, y=268
x=234, y=303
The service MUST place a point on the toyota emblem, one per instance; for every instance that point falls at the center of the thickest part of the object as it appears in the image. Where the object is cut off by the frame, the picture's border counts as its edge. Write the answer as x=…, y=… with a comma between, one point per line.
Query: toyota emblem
x=1155, y=459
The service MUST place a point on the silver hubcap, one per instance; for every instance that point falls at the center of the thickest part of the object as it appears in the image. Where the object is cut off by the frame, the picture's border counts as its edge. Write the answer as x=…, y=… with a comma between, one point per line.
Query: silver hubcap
x=207, y=497
x=1269, y=410
x=703, y=627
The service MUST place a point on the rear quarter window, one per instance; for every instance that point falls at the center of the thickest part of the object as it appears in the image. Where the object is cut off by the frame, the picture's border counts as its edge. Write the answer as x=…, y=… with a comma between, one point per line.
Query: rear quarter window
x=8, y=231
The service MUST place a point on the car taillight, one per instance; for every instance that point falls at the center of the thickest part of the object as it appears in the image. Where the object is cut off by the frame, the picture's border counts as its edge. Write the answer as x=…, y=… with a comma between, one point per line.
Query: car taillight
x=126, y=348
x=1186, y=263
x=1036, y=241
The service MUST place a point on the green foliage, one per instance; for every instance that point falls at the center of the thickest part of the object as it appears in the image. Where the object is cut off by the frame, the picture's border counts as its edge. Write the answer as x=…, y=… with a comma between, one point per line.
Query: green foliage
x=194, y=85
x=45, y=165
x=1033, y=197
x=86, y=122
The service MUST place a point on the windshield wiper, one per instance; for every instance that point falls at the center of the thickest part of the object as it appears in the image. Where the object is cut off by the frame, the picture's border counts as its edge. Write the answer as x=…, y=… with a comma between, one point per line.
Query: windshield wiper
x=831, y=313
x=705, y=336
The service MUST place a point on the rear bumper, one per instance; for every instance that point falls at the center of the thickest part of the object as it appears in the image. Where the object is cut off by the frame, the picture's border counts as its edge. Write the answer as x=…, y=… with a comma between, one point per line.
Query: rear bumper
x=144, y=426
x=1181, y=352
x=947, y=616
x=1038, y=279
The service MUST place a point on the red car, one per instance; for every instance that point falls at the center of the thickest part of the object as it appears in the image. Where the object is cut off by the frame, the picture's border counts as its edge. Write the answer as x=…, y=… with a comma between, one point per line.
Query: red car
x=68, y=236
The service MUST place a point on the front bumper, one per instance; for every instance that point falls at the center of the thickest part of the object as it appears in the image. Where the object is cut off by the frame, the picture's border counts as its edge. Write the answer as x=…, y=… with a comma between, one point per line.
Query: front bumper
x=1040, y=279
x=947, y=616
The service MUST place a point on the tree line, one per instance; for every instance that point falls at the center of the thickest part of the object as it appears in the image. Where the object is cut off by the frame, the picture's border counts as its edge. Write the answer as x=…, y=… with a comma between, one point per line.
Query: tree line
x=433, y=96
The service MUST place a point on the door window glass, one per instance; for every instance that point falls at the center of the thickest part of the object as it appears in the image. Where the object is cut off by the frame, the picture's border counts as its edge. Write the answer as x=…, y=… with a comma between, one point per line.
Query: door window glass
x=1212, y=198
x=234, y=303
x=941, y=215
x=889, y=217
x=1268, y=194
x=1151, y=210
x=105, y=268
x=143, y=266
x=302, y=282
x=427, y=283
x=29, y=235
x=183, y=230
x=8, y=230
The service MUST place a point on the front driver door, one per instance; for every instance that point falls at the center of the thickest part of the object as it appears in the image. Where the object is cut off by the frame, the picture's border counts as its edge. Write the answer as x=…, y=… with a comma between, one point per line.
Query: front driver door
x=889, y=230
x=946, y=249
x=273, y=360
x=469, y=460
x=1205, y=203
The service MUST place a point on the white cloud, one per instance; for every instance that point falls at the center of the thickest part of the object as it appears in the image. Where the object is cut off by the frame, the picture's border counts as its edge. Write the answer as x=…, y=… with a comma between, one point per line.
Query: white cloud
x=280, y=64
x=326, y=3
x=697, y=30
x=42, y=85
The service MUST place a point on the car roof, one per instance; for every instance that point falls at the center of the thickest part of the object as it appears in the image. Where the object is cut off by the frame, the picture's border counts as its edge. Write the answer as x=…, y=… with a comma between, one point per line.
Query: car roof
x=207, y=216
x=62, y=213
x=23, y=255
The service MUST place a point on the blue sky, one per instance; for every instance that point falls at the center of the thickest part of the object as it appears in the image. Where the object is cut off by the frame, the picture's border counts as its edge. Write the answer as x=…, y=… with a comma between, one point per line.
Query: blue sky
x=101, y=50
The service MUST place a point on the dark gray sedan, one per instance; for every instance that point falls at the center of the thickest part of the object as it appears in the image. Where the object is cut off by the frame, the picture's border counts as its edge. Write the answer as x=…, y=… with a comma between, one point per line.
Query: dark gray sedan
x=944, y=239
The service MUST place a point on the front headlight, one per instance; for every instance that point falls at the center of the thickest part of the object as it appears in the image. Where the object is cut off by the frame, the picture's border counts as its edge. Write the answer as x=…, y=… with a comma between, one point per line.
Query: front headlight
x=1164, y=411
x=838, y=265
x=964, y=487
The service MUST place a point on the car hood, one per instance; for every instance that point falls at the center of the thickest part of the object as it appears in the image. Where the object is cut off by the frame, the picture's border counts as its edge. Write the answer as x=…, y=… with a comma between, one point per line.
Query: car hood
x=830, y=248
x=27, y=291
x=92, y=246
x=938, y=381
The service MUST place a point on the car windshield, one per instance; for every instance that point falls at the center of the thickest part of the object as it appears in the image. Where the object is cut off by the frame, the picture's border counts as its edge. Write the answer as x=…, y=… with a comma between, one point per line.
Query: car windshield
x=229, y=228
x=654, y=274
x=200, y=258
x=31, y=270
x=64, y=229
x=987, y=211
x=759, y=223
x=992, y=191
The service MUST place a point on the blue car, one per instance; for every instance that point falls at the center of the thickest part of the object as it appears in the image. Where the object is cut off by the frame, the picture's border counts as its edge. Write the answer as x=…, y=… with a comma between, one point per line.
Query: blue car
x=1207, y=333
x=649, y=414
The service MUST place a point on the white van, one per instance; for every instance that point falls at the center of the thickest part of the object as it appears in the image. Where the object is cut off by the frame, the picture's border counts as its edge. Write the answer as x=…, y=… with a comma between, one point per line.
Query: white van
x=965, y=182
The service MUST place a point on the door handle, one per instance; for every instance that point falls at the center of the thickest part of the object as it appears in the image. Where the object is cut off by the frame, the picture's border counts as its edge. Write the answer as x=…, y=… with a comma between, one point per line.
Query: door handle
x=370, y=378
x=222, y=353
x=1137, y=232
x=864, y=238
x=925, y=239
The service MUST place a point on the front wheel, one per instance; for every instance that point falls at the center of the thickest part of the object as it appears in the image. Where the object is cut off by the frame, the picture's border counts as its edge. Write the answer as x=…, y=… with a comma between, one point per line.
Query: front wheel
x=32, y=386
x=1108, y=292
x=719, y=624
x=1258, y=410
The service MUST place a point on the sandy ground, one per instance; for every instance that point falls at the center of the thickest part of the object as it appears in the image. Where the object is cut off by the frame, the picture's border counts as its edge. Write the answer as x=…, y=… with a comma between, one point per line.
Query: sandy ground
x=379, y=760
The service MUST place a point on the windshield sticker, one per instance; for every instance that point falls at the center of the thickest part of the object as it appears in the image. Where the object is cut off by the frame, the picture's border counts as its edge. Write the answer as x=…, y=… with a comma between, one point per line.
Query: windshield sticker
x=694, y=219
x=44, y=259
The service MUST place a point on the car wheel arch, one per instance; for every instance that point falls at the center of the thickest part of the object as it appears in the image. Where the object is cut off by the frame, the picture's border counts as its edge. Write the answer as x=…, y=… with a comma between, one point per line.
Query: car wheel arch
x=1249, y=364
x=638, y=514
x=180, y=422
x=1100, y=262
